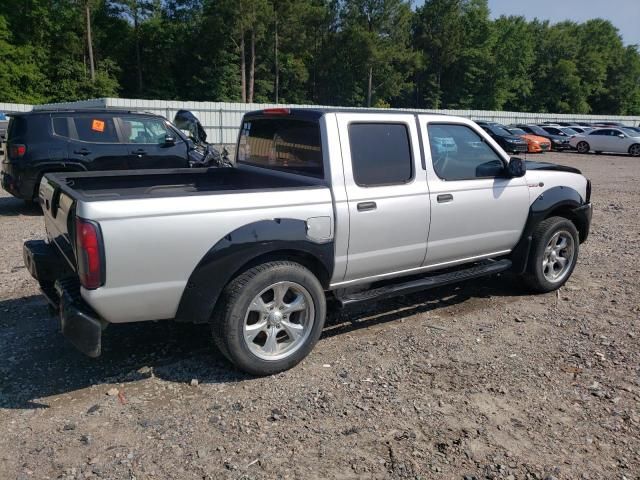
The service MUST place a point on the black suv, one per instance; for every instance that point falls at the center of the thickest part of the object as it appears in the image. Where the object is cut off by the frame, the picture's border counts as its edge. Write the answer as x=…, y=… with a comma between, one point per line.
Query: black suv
x=509, y=142
x=43, y=141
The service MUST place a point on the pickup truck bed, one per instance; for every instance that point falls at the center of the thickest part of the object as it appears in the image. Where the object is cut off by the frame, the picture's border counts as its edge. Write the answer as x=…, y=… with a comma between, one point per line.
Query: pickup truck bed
x=139, y=184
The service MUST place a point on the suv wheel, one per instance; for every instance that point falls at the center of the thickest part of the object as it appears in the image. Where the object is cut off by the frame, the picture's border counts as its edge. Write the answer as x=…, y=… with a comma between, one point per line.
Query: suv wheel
x=634, y=150
x=554, y=253
x=270, y=317
x=583, y=147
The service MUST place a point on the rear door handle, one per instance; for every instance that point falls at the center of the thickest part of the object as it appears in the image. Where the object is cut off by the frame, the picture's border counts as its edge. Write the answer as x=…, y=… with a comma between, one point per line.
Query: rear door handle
x=445, y=198
x=366, y=206
x=82, y=151
x=139, y=152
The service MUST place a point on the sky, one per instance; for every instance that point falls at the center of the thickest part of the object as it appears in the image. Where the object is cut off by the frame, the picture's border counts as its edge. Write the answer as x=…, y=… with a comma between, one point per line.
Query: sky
x=624, y=14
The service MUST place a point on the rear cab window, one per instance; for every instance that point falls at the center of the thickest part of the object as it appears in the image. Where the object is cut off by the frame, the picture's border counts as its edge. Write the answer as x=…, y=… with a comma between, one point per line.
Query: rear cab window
x=285, y=144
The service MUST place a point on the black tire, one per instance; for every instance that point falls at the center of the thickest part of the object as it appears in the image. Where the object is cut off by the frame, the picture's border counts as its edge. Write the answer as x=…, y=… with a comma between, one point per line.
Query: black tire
x=535, y=277
x=583, y=147
x=634, y=150
x=229, y=317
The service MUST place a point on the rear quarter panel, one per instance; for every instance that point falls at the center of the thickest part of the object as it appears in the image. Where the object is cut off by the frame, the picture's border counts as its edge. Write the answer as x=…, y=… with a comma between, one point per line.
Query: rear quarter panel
x=153, y=245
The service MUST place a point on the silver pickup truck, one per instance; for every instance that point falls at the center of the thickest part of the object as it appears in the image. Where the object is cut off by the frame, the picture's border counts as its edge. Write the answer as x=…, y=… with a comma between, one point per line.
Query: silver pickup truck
x=352, y=205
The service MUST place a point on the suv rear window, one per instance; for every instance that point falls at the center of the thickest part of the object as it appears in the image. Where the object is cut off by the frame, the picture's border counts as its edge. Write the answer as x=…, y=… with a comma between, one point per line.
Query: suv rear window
x=283, y=144
x=17, y=127
x=96, y=129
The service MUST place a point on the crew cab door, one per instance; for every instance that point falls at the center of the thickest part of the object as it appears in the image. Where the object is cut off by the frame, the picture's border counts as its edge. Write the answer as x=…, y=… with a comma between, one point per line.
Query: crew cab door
x=476, y=209
x=145, y=140
x=387, y=194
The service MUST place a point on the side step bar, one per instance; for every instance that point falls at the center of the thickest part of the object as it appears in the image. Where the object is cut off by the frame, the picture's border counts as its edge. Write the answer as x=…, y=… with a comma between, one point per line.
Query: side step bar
x=489, y=267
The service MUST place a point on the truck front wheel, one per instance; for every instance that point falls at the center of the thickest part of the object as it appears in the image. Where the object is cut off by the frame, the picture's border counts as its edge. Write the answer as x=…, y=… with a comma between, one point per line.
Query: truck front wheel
x=270, y=317
x=554, y=253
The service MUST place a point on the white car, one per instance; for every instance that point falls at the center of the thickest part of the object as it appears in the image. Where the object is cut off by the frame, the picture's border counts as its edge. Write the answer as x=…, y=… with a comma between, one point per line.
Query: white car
x=615, y=140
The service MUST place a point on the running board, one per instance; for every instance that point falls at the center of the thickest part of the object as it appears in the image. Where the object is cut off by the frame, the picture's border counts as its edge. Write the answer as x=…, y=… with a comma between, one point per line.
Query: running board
x=486, y=268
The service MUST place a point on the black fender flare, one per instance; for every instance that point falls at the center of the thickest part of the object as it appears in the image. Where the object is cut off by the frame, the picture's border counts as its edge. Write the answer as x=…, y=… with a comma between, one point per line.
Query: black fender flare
x=238, y=250
x=556, y=199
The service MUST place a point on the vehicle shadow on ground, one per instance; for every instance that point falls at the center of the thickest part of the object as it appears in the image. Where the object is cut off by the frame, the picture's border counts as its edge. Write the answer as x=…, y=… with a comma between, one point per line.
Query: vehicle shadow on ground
x=36, y=361
x=11, y=206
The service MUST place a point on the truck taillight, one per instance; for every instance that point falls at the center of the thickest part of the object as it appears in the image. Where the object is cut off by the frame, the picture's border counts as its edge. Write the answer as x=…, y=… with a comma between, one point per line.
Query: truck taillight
x=89, y=254
x=17, y=150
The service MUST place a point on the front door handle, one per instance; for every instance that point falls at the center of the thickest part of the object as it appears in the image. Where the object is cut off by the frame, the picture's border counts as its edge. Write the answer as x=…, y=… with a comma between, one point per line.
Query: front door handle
x=445, y=198
x=366, y=206
x=82, y=151
x=139, y=152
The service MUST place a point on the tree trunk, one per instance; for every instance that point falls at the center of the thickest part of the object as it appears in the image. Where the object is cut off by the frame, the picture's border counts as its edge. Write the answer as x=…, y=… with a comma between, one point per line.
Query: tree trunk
x=243, y=71
x=252, y=67
x=92, y=67
x=277, y=79
x=369, y=88
x=138, y=56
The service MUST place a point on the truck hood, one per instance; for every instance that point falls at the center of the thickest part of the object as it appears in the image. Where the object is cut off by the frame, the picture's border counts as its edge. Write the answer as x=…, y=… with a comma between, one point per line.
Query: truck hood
x=532, y=165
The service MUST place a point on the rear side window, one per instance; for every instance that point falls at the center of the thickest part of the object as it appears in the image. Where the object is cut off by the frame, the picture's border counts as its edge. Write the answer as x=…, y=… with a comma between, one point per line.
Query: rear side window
x=380, y=153
x=61, y=126
x=283, y=144
x=97, y=129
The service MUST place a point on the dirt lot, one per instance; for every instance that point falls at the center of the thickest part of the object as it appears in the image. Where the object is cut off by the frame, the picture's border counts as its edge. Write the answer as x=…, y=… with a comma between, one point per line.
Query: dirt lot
x=479, y=381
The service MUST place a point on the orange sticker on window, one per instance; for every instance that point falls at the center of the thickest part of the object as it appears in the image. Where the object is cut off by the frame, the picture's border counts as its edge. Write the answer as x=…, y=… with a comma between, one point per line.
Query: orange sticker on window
x=97, y=125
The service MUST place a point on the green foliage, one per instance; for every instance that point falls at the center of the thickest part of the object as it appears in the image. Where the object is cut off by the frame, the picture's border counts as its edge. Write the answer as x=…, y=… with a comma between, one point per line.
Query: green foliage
x=444, y=54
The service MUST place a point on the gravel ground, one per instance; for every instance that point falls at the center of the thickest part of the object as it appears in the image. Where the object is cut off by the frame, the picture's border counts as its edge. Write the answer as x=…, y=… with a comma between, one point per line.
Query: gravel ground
x=477, y=381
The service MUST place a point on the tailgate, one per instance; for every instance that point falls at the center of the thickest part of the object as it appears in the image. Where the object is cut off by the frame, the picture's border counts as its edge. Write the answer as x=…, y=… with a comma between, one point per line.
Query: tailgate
x=58, y=208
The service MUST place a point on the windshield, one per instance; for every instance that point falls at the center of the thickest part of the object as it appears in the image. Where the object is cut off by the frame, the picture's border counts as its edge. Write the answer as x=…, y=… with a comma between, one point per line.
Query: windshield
x=631, y=132
x=537, y=130
x=569, y=131
x=499, y=130
x=517, y=131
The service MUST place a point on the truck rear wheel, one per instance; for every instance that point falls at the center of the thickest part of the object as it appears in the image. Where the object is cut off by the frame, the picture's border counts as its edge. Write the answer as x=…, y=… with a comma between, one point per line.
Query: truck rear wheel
x=554, y=253
x=270, y=317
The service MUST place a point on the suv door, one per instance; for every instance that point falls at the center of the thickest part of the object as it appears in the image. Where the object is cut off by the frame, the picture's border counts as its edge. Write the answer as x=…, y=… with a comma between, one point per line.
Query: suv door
x=387, y=194
x=476, y=210
x=599, y=140
x=93, y=140
x=145, y=141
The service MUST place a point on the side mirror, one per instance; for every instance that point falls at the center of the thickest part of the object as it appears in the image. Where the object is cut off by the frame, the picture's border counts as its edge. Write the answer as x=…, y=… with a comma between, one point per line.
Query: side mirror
x=621, y=135
x=516, y=167
x=169, y=140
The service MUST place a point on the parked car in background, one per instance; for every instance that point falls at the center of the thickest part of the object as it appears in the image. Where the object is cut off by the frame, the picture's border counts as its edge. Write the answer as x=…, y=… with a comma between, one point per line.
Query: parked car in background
x=613, y=140
x=558, y=142
x=44, y=141
x=4, y=123
x=509, y=142
x=535, y=143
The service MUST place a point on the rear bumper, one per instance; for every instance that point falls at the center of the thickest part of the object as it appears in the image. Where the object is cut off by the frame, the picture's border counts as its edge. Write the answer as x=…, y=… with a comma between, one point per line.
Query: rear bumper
x=59, y=284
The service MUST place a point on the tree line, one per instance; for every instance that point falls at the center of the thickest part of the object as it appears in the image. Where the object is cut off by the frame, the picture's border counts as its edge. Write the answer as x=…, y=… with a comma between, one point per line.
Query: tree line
x=442, y=54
